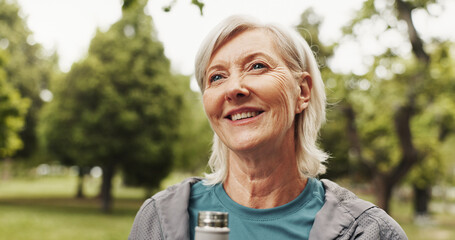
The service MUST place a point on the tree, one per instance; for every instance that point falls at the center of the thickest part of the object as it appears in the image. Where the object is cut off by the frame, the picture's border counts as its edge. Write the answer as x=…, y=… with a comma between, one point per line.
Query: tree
x=55, y=131
x=28, y=69
x=411, y=91
x=12, y=112
x=383, y=105
x=433, y=125
x=120, y=107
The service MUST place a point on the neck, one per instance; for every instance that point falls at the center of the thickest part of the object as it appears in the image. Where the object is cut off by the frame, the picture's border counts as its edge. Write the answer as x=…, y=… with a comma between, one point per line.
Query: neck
x=265, y=179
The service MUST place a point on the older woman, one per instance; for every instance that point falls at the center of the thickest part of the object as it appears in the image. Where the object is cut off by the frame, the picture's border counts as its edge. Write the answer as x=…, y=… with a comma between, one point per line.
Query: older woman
x=264, y=97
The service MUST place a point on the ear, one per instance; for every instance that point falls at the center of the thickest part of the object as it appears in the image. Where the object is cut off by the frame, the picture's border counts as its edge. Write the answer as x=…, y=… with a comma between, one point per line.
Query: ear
x=305, y=86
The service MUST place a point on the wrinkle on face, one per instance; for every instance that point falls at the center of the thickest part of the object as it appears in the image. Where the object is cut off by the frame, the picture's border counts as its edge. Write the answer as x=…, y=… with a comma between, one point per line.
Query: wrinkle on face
x=286, y=93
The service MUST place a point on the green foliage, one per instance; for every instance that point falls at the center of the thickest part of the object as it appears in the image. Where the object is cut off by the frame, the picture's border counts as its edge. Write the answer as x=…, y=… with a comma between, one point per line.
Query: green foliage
x=197, y=3
x=28, y=69
x=309, y=29
x=435, y=123
x=195, y=135
x=12, y=112
x=393, y=77
x=332, y=135
x=128, y=3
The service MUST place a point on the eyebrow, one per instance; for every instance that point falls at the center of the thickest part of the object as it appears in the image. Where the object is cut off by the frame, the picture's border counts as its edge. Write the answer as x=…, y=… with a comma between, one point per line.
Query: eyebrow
x=216, y=66
x=244, y=58
x=248, y=57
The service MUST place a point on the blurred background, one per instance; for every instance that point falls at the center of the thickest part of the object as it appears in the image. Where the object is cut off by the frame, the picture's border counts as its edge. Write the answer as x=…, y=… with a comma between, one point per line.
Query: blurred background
x=99, y=108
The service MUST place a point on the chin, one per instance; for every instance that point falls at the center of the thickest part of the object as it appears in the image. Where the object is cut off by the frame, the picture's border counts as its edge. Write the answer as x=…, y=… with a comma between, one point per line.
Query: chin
x=244, y=145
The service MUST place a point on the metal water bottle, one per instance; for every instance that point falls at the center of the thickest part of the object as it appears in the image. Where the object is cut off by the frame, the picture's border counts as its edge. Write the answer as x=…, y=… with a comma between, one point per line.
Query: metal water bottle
x=212, y=226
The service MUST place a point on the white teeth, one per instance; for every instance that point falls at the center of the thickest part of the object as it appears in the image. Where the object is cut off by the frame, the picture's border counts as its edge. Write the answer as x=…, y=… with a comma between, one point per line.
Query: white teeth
x=243, y=115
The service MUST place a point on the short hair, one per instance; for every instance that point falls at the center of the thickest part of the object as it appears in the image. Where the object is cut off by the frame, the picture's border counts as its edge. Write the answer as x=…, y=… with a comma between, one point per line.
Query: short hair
x=299, y=57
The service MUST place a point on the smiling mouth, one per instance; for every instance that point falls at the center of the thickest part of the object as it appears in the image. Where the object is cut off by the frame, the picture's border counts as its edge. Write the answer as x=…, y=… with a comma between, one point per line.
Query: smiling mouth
x=243, y=115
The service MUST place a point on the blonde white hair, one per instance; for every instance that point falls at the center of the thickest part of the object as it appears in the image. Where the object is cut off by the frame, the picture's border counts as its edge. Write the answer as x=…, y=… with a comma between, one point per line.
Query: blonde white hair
x=299, y=58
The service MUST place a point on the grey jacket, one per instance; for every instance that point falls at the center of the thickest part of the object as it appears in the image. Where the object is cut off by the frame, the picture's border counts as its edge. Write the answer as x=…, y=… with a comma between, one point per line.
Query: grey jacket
x=343, y=216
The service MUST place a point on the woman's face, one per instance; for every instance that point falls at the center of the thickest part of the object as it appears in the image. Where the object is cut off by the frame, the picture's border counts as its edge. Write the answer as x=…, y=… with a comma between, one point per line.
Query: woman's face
x=251, y=97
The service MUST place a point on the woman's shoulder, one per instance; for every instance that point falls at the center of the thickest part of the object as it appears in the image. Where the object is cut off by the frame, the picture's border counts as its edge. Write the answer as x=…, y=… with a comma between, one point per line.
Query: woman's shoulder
x=175, y=195
x=164, y=210
x=349, y=215
x=376, y=222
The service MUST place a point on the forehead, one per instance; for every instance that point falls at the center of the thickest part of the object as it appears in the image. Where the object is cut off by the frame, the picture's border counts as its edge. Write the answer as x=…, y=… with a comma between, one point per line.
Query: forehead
x=246, y=42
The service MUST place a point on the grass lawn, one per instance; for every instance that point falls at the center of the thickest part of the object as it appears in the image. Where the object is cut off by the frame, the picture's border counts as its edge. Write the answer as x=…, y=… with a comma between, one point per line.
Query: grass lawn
x=441, y=226
x=63, y=219
x=44, y=208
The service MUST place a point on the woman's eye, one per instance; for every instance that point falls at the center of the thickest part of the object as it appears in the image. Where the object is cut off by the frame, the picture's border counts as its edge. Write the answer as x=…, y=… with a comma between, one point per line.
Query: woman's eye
x=215, y=78
x=258, y=66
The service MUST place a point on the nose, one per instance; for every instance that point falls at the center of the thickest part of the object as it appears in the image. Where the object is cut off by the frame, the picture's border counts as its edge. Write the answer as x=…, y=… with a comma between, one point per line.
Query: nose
x=236, y=90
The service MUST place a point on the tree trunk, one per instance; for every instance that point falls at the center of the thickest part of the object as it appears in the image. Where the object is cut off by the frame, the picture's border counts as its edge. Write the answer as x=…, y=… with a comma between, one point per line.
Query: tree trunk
x=422, y=198
x=405, y=8
x=106, y=188
x=383, y=191
x=405, y=13
x=384, y=182
x=6, y=169
x=80, y=183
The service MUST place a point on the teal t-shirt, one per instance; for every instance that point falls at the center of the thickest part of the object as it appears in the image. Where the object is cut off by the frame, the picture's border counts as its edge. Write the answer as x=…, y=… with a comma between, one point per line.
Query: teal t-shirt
x=290, y=221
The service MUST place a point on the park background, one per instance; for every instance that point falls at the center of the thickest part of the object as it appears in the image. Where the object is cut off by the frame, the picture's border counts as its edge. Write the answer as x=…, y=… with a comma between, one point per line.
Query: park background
x=98, y=108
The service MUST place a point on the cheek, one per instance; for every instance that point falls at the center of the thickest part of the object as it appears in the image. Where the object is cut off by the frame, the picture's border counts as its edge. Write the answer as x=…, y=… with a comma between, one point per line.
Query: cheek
x=211, y=104
x=206, y=103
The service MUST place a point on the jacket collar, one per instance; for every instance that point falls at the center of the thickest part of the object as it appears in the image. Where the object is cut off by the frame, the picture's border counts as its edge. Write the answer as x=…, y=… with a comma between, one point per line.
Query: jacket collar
x=172, y=207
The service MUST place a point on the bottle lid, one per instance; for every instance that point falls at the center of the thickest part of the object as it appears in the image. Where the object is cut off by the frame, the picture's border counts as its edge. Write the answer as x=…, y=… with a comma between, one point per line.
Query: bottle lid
x=212, y=219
